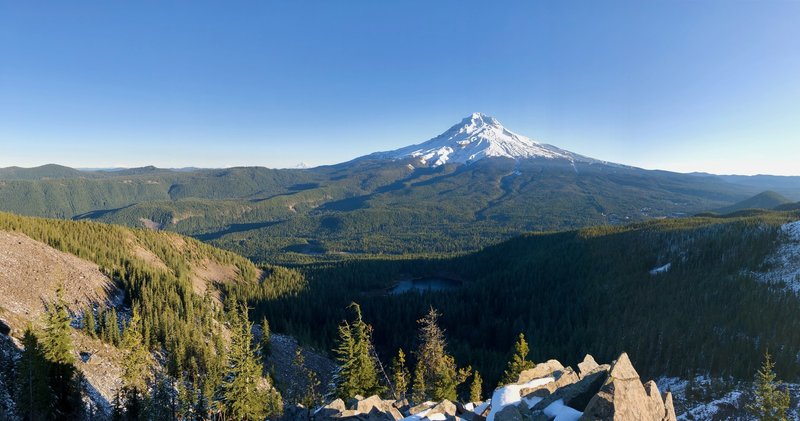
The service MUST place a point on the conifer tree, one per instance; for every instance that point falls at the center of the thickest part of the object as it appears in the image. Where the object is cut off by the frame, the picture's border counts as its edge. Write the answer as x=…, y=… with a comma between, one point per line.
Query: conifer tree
x=358, y=367
x=519, y=362
x=135, y=367
x=56, y=346
x=89, y=322
x=419, y=390
x=771, y=403
x=244, y=393
x=476, y=389
x=440, y=374
x=400, y=375
x=35, y=400
x=265, y=338
x=306, y=390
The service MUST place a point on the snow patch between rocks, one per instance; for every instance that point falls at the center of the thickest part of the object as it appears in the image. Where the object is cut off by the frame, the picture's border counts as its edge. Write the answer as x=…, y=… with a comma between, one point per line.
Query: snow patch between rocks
x=510, y=395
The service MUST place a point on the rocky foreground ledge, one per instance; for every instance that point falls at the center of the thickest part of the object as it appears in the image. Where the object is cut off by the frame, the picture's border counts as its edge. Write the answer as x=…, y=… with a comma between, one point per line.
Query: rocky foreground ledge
x=546, y=392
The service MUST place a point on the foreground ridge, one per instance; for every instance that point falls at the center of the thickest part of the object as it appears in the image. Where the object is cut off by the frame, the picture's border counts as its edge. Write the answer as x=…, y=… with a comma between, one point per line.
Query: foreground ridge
x=549, y=391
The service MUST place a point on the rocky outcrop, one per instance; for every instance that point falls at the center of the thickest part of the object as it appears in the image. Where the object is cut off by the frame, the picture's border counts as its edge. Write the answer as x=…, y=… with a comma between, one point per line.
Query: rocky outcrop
x=623, y=397
x=546, y=392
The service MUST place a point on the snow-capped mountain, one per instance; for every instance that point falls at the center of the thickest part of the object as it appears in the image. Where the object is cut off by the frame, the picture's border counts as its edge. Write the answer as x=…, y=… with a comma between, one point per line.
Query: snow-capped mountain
x=476, y=137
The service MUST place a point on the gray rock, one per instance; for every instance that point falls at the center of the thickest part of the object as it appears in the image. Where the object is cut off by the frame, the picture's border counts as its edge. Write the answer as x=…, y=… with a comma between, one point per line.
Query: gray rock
x=545, y=369
x=444, y=407
x=576, y=395
x=587, y=365
x=623, y=397
x=509, y=413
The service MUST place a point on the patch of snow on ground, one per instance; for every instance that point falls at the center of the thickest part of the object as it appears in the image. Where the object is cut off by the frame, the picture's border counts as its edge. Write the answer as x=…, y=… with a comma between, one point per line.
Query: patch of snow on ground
x=510, y=395
x=785, y=263
x=661, y=269
x=707, y=411
x=561, y=412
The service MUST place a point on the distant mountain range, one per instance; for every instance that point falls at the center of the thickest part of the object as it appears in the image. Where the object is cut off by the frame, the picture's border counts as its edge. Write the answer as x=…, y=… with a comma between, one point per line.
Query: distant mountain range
x=475, y=184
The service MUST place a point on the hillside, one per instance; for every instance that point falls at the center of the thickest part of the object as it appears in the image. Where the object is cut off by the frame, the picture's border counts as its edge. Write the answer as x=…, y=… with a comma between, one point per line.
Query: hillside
x=682, y=296
x=764, y=200
x=108, y=273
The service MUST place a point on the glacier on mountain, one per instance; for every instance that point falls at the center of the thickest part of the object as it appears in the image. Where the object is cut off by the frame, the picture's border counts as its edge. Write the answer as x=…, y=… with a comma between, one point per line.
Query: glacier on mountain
x=474, y=138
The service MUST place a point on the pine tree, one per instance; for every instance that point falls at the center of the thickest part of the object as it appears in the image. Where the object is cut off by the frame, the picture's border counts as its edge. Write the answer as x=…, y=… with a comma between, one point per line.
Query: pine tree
x=306, y=391
x=245, y=394
x=771, y=402
x=440, y=375
x=89, y=322
x=56, y=342
x=35, y=400
x=476, y=389
x=56, y=346
x=400, y=375
x=135, y=367
x=265, y=339
x=419, y=390
x=519, y=362
x=358, y=367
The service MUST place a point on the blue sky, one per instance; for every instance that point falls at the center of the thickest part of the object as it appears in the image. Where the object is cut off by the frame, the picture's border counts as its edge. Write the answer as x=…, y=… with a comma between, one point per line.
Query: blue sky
x=680, y=85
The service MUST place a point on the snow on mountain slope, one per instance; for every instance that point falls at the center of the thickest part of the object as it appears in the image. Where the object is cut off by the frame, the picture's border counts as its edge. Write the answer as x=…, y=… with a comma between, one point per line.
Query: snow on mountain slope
x=784, y=264
x=476, y=137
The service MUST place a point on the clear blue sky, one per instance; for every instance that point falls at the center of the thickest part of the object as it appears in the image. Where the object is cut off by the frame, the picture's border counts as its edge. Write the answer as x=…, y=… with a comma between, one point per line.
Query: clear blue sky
x=679, y=85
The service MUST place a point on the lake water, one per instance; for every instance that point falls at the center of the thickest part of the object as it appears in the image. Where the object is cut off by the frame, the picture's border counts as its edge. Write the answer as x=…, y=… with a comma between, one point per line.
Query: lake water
x=424, y=285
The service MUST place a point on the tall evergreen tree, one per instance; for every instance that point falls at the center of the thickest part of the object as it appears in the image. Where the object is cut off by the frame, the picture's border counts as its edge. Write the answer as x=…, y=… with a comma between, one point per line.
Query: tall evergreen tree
x=440, y=374
x=56, y=346
x=89, y=322
x=136, y=366
x=266, y=337
x=306, y=388
x=358, y=367
x=476, y=389
x=519, y=362
x=419, y=390
x=245, y=392
x=771, y=401
x=35, y=400
x=400, y=375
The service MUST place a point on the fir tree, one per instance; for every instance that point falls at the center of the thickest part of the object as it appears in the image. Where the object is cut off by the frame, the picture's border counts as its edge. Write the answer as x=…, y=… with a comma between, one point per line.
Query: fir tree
x=306, y=390
x=56, y=342
x=56, y=346
x=265, y=338
x=245, y=394
x=476, y=389
x=35, y=400
x=419, y=390
x=89, y=322
x=440, y=375
x=355, y=354
x=519, y=362
x=400, y=375
x=771, y=402
x=135, y=367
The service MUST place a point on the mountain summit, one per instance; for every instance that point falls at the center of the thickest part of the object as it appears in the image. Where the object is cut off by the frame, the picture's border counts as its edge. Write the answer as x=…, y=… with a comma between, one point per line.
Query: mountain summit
x=476, y=137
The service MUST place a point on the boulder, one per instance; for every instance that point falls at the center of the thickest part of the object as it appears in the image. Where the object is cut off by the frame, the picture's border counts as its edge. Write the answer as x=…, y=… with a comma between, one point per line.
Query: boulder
x=587, y=365
x=547, y=369
x=414, y=410
x=576, y=395
x=444, y=407
x=365, y=406
x=623, y=397
x=331, y=410
x=509, y=413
